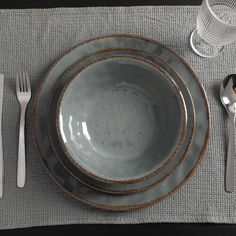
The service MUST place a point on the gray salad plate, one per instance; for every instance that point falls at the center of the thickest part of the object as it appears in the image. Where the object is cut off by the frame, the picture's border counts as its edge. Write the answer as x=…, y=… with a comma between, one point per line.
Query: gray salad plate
x=120, y=119
x=136, y=200
x=117, y=188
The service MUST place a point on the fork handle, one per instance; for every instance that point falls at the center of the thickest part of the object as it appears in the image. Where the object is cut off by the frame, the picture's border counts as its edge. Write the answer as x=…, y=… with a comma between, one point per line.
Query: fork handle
x=229, y=181
x=21, y=167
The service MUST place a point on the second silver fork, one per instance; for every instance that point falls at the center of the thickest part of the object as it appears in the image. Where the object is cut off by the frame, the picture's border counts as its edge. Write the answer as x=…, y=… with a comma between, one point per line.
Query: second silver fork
x=23, y=91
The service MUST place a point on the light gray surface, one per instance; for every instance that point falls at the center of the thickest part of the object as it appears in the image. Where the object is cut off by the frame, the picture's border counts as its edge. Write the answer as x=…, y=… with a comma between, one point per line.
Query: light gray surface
x=31, y=40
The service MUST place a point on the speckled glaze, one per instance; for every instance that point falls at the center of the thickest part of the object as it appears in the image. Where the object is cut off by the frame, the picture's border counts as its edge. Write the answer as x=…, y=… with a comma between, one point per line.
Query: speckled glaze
x=120, y=119
x=117, y=188
x=131, y=201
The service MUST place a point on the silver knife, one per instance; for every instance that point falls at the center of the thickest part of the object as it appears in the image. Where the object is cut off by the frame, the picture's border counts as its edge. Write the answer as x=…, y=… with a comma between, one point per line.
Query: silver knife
x=1, y=149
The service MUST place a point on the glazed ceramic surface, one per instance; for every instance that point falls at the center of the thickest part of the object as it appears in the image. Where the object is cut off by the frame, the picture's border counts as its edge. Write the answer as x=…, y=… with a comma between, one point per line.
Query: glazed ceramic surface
x=121, y=118
x=116, y=187
x=171, y=183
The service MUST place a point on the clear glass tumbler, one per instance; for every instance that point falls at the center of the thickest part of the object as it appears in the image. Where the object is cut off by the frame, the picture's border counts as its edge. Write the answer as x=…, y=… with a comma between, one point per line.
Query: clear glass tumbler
x=216, y=27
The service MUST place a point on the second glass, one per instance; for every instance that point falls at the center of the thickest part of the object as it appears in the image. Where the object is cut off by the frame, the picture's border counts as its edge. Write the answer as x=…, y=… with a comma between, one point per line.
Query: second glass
x=216, y=27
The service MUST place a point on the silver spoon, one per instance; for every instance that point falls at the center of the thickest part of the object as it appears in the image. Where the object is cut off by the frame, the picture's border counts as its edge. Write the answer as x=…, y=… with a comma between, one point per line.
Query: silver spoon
x=228, y=98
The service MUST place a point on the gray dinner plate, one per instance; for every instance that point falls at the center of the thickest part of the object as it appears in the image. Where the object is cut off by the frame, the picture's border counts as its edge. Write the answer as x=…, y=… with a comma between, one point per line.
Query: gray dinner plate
x=136, y=200
x=166, y=170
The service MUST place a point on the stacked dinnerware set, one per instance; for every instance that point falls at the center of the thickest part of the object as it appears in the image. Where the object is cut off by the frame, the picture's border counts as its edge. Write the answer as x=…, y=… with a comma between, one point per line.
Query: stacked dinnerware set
x=121, y=122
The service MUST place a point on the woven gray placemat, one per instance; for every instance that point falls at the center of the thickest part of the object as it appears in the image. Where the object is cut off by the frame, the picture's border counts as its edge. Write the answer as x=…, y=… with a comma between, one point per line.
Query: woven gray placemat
x=31, y=39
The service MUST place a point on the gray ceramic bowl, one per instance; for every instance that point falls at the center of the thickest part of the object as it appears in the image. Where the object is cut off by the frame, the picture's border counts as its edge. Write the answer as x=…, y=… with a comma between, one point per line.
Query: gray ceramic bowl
x=120, y=119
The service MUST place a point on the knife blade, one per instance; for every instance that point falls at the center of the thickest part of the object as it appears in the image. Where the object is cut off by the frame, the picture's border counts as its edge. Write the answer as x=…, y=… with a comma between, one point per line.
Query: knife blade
x=1, y=148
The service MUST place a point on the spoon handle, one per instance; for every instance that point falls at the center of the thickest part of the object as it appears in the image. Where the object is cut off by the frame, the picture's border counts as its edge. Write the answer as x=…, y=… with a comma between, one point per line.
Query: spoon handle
x=230, y=156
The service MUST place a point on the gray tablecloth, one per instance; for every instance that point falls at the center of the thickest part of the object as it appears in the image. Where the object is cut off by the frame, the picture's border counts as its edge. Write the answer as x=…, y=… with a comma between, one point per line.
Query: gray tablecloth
x=31, y=39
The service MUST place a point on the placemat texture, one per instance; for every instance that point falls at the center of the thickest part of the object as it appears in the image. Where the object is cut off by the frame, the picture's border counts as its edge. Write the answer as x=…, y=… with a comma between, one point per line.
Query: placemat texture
x=31, y=39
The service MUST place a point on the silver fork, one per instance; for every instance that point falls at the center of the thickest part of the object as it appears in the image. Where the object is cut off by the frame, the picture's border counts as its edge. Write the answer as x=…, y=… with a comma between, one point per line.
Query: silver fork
x=23, y=91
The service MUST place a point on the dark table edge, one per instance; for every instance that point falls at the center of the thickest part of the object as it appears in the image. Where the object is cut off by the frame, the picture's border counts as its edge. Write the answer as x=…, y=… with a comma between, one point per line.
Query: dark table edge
x=21, y=4
x=164, y=229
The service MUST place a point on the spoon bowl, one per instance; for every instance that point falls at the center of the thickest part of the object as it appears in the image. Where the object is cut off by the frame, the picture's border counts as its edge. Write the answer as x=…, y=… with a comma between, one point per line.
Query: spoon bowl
x=228, y=93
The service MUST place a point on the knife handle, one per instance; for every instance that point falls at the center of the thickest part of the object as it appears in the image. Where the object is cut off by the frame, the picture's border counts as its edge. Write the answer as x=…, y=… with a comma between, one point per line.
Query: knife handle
x=1, y=147
x=1, y=177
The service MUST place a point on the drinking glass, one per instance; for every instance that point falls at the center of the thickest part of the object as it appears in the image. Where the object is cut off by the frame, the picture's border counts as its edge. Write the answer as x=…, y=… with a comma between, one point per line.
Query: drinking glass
x=216, y=27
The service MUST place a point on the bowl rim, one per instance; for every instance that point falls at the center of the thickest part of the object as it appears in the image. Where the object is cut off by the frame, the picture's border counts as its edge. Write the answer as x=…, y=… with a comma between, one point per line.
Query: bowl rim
x=173, y=154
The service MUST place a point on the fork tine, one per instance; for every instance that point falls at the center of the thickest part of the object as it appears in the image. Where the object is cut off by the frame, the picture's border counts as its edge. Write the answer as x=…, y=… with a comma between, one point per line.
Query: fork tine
x=21, y=83
x=27, y=82
x=24, y=81
x=17, y=83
